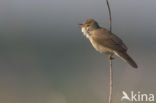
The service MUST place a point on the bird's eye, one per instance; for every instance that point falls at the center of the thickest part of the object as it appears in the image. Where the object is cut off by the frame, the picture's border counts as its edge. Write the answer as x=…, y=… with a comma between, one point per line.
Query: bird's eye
x=88, y=25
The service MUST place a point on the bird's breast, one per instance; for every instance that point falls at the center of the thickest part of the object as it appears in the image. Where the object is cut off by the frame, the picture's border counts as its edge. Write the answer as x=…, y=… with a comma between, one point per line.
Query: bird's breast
x=100, y=48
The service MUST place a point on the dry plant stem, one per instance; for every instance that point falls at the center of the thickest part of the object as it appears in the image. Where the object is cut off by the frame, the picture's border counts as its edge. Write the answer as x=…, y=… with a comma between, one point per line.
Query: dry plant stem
x=110, y=18
x=110, y=58
x=111, y=80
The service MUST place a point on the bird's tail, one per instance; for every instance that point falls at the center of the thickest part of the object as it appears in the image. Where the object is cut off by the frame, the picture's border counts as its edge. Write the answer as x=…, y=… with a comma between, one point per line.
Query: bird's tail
x=127, y=58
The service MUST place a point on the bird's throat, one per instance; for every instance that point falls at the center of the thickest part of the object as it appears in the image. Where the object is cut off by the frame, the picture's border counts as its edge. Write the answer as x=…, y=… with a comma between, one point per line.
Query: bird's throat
x=85, y=32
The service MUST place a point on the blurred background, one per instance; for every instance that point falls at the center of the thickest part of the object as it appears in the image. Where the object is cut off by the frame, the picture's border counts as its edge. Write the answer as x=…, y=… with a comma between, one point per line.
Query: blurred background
x=44, y=57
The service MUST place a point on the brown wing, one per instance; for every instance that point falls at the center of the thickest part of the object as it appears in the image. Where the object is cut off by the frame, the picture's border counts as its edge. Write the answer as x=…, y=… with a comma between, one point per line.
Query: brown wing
x=108, y=40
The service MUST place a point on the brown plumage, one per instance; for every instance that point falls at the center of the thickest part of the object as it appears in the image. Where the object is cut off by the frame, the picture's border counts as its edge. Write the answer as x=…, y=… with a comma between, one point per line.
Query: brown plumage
x=106, y=42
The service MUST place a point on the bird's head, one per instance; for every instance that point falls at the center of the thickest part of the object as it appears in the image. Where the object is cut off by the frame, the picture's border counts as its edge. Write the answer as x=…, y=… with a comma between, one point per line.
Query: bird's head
x=88, y=26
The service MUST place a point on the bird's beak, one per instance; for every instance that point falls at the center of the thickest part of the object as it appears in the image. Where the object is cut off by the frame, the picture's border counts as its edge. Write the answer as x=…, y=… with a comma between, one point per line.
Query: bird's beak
x=80, y=25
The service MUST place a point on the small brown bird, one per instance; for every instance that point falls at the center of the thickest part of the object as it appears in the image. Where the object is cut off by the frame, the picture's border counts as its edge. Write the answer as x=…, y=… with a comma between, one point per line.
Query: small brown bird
x=105, y=42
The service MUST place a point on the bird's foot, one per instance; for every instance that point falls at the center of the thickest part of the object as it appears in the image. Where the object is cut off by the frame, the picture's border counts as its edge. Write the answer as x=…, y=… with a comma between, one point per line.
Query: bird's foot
x=110, y=57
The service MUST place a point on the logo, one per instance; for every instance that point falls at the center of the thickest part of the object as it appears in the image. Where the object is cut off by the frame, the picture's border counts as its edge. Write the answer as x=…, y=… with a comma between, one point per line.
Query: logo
x=137, y=96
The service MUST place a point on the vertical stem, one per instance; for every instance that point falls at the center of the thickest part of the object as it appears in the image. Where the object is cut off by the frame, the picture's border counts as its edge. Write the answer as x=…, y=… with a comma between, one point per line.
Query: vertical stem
x=111, y=74
x=110, y=18
x=111, y=81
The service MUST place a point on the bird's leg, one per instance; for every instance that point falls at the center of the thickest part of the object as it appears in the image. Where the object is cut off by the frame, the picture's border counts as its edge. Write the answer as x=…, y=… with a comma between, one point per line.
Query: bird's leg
x=110, y=57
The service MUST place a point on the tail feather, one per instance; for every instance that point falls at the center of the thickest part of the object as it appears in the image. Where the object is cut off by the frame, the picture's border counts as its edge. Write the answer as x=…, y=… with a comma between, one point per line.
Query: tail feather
x=127, y=58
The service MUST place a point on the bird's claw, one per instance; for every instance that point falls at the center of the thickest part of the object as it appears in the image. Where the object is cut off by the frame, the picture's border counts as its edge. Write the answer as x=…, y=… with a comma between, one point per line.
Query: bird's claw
x=110, y=57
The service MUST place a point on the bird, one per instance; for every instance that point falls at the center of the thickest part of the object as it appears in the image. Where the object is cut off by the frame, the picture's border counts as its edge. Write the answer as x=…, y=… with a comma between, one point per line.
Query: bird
x=105, y=41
